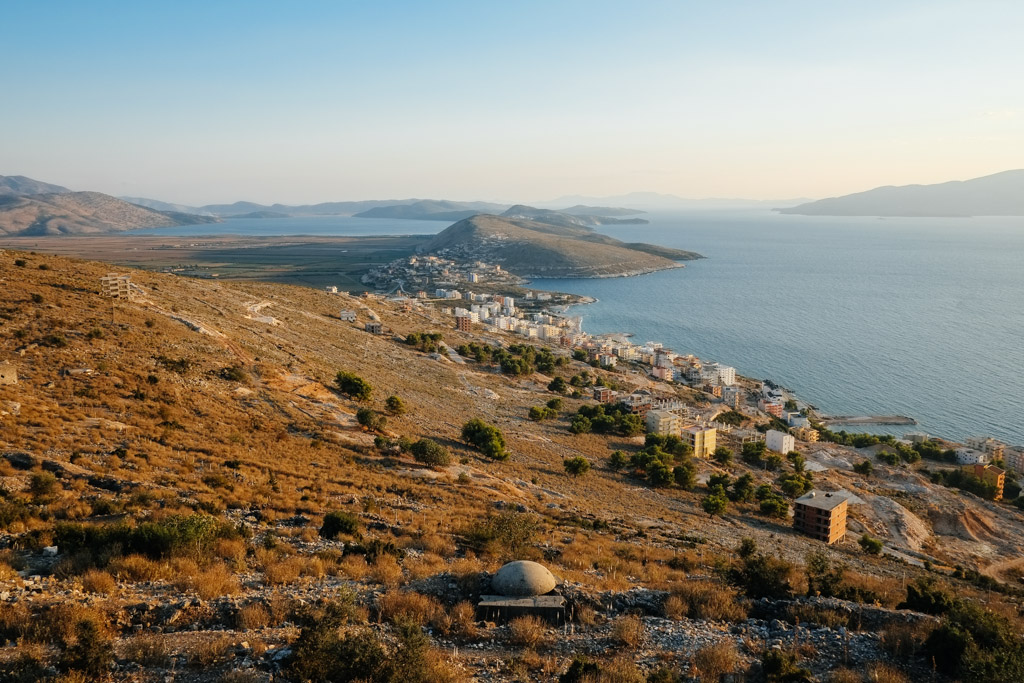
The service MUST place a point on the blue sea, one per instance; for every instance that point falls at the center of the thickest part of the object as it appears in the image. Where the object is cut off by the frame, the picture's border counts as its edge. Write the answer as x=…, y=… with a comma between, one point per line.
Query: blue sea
x=914, y=316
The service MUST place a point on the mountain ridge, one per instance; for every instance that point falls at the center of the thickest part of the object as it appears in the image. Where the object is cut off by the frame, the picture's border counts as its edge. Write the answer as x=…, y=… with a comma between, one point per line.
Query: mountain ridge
x=998, y=194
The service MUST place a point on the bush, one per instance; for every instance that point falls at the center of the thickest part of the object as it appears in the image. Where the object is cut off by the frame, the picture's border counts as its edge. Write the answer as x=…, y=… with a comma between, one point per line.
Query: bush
x=429, y=452
x=629, y=631
x=723, y=455
x=715, y=661
x=371, y=419
x=760, y=575
x=485, y=438
x=194, y=534
x=92, y=652
x=977, y=646
x=577, y=466
x=617, y=460
x=704, y=600
x=507, y=533
x=528, y=631
x=716, y=502
x=782, y=665
x=395, y=405
x=923, y=595
x=338, y=523
x=872, y=546
x=353, y=386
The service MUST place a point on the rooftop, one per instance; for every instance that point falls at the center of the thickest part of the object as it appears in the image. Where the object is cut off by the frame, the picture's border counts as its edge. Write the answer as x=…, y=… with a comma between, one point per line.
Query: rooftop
x=823, y=500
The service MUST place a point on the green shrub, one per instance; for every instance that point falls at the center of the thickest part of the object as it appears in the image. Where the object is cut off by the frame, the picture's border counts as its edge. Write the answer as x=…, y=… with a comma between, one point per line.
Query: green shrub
x=177, y=535
x=354, y=386
x=716, y=502
x=371, y=419
x=485, y=438
x=872, y=546
x=577, y=466
x=506, y=533
x=429, y=452
x=977, y=646
x=617, y=460
x=92, y=653
x=395, y=405
x=337, y=523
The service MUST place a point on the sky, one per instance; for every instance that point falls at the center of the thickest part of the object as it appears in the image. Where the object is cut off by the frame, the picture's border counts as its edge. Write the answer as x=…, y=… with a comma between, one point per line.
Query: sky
x=301, y=102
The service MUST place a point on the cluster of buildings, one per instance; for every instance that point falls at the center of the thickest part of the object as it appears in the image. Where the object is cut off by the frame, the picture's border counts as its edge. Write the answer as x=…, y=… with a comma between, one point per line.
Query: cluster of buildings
x=500, y=313
x=423, y=273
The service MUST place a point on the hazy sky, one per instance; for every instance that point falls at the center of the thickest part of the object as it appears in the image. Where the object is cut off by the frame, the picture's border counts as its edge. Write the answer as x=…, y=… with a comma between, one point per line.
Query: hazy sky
x=198, y=102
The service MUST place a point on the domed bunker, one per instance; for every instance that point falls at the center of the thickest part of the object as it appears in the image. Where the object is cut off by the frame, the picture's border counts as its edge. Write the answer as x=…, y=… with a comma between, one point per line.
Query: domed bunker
x=523, y=578
x=520, y=588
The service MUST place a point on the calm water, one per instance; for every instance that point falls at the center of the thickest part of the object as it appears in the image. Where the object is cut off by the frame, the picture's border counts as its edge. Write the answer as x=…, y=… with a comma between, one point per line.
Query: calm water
x=920, y=317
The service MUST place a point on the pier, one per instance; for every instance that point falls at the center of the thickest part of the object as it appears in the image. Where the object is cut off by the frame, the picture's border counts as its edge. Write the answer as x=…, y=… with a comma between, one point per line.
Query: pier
x=830, y=420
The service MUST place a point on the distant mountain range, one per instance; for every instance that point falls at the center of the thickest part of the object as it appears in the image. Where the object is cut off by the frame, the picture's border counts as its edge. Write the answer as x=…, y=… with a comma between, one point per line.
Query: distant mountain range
x=432, y=210
x=534, y=249
x=76, y=213
x=1001, y=194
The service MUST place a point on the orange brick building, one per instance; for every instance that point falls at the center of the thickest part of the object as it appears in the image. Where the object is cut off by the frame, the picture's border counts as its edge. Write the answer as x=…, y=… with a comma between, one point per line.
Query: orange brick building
x=821, y=515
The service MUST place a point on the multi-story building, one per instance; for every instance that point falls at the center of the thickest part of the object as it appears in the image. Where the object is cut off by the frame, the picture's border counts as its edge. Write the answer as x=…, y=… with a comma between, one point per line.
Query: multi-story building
x=347, y=315
x=1014, y=460
x=987, y=445
x=780, y=442
x=701, y=439
x=603, y=394
x=664, y=422
x=990, y=474
x=821, y=515
x=731, y=396
x=771, y=407
x=463, y=323
x=374, y=327
x=969, y=456
x=808, y=434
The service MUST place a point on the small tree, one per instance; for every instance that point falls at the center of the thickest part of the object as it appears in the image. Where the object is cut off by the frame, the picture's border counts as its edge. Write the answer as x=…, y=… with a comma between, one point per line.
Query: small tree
x=577, y=466
x=371, y=419
x=557, y=385
x=723, y=455
x=685, y=475
x=618, y=460
x=395, y=405
x=429, y=452
x=354, y=386
x=864, y=468
x=485, y=438
x=716, y=502
x=872, y=546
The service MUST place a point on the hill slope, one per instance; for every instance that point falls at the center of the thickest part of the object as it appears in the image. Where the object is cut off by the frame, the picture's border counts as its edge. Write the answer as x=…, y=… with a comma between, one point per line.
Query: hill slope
x=534, y=249
x=19, y=185
x=76, y=213
x=1001, y=194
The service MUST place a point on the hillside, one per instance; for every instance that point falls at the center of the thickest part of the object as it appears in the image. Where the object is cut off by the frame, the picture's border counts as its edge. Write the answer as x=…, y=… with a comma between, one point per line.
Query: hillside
x=168, y=462
x=534, y=249
x=20, y=185
x=76, y=213
x=1001, y=194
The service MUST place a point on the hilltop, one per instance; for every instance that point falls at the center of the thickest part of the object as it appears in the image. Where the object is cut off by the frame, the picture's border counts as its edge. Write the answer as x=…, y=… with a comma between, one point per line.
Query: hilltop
x=75, y=213
x=534, y=249
x=1000, y=194
x=170, y=463
x=19, y=185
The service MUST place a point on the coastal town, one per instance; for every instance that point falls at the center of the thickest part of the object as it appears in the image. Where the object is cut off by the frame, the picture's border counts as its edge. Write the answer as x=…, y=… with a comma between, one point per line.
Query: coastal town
x=718, y=402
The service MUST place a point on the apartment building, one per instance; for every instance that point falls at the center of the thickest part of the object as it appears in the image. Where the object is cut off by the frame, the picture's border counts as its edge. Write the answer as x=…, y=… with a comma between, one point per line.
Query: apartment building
x=821, y=515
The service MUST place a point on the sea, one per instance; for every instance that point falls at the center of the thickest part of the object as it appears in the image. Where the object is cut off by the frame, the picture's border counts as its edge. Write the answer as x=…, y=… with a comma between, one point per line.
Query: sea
x=922, y=317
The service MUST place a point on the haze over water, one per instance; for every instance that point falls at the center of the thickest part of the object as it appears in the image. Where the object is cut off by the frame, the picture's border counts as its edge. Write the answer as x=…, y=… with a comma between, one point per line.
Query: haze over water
x=915, y=316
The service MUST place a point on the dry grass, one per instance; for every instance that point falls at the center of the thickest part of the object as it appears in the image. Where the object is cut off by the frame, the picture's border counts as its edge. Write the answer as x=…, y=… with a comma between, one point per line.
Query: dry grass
x=903, y=640
x=283, y=572
x=884, y=673
x=714, y=661
x=252, y=616
x=98, y=581
x=137, y=568
x=148, y=649
x=704, y=600
x=629, y=631
x=410, y=606
x=213, y=582
x=845, y=676
x=386, y=571
x=210, y=652
x=528, y=631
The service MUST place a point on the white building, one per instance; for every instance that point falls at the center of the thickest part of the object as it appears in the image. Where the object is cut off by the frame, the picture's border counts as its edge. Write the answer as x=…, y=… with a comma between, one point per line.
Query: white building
x=347, y=315
x=969, y=456
x=331, y=289
x=780, y=442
